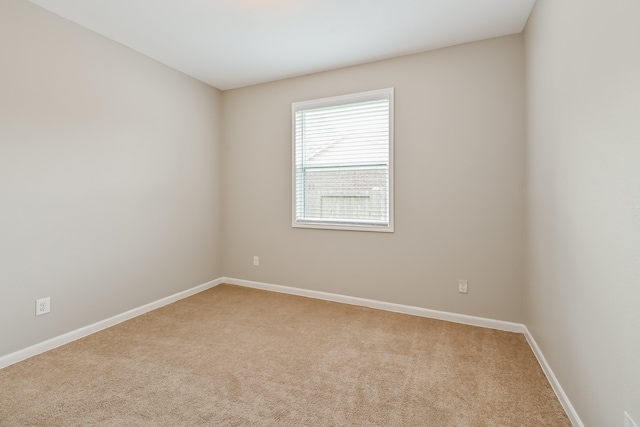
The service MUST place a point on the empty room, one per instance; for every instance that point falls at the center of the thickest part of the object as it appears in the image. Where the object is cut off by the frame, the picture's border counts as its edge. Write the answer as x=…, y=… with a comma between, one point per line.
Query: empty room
x=320, y=213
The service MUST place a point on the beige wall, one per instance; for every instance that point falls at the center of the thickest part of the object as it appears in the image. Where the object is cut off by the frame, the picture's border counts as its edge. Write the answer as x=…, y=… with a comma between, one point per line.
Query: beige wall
x=459, y=147
x=109, y=177
x=582, y=294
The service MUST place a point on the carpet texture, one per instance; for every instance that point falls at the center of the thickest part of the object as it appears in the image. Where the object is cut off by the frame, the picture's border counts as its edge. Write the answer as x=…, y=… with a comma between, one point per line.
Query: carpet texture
x=233, y=356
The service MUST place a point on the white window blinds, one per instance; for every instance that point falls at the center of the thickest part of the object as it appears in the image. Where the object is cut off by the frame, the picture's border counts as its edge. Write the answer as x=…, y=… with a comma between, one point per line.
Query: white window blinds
x=343, y=169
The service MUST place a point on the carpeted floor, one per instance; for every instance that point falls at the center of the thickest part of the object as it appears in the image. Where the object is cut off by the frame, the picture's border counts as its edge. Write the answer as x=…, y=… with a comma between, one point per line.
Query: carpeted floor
x=233, y=356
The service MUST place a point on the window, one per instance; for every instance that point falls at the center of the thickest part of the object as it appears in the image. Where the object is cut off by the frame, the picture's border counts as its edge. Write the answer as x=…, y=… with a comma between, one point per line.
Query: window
x=343, y=162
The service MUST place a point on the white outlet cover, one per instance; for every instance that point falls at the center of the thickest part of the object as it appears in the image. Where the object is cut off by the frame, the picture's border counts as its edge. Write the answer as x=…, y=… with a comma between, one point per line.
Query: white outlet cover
x=43, y=306
x=628, y=422
x=463, y=286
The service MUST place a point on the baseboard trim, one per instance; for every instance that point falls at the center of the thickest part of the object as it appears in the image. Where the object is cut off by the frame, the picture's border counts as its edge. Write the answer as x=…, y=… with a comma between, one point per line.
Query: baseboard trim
x=52, y=343
x=555, y=384
x=388, y=306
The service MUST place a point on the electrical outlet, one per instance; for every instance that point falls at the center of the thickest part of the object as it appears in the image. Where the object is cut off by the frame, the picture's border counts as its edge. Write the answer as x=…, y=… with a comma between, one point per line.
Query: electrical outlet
x=628, y=422
x=463, y=286
x=256, y=261
x=43, y=306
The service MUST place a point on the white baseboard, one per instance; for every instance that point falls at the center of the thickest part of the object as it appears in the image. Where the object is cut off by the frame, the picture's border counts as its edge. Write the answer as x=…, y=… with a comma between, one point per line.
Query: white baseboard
x=555, y=384
x=52, y=343
x=388, y=306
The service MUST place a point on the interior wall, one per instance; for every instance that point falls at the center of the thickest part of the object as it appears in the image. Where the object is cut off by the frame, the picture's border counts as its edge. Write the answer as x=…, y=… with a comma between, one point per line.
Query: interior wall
x=459, y=157
x=582, y=293
x=109, y=177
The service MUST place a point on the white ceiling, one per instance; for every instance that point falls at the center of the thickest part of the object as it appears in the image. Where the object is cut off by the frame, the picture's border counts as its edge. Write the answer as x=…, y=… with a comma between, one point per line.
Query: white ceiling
x=235, y=43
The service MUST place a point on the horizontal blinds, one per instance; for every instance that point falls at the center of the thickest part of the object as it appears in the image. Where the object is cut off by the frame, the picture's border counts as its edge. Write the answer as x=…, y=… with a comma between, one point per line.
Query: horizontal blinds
x=342, y=155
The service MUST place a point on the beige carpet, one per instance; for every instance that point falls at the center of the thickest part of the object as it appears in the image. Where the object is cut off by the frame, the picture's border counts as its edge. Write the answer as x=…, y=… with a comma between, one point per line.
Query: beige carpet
x=232, y=356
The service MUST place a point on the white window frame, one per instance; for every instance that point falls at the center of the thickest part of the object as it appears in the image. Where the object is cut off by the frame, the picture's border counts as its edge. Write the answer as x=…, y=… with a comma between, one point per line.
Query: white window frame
x=328, y=224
